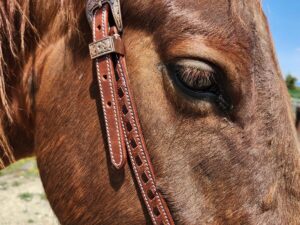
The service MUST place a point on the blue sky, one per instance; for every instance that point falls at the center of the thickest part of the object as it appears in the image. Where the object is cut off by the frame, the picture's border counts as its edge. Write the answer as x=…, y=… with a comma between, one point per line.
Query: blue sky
x=284, y=19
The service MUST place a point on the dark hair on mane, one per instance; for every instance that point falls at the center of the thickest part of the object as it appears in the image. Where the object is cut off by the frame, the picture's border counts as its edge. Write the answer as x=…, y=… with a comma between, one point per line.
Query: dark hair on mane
x=18, y=27
x=13, y=24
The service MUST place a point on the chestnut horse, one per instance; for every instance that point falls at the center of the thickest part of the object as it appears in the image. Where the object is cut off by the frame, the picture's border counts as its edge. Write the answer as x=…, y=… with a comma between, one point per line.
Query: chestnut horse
x=226, y=156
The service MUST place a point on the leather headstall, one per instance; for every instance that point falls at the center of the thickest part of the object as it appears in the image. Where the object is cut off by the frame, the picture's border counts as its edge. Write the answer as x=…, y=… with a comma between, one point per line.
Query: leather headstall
x=124, y=134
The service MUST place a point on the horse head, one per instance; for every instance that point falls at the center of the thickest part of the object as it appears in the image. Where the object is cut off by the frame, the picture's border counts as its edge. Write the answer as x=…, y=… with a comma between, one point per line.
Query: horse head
x=212, y=104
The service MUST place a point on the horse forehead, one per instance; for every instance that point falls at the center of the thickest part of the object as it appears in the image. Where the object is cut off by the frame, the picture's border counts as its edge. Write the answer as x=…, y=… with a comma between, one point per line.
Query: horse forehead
x=213, y=9
x=205, y=17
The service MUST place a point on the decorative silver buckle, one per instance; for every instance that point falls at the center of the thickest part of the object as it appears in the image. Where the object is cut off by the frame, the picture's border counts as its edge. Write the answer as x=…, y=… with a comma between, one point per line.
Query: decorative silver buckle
x=115, y=6
x=110, y=44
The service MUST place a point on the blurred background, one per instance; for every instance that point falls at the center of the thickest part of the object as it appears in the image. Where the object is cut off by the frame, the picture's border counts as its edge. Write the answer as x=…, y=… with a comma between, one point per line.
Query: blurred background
x=284, y=19
x=22, y=197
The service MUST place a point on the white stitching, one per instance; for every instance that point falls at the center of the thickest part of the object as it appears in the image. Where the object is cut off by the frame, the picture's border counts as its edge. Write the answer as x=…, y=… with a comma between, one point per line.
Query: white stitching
x=102, y=97
x=140, y=145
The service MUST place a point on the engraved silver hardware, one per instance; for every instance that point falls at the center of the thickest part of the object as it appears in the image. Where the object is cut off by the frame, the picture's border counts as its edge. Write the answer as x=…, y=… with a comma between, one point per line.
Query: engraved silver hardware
x=115, y=6
x=111, y=44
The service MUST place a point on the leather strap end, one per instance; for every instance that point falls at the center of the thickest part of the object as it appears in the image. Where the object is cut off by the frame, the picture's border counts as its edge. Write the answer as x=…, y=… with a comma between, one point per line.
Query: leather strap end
x=108, y=88
x=117, y=152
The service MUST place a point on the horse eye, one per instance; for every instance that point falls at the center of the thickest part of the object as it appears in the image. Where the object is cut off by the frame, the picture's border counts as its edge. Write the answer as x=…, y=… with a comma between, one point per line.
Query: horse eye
x=199, y=80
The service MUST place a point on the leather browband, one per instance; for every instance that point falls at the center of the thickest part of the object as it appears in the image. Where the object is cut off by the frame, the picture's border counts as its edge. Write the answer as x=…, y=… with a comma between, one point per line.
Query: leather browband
x=121, y=118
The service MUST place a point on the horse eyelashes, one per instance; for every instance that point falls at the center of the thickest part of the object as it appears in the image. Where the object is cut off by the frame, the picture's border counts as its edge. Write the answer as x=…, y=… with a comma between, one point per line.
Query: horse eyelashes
x=195, y=78
x=201, y=81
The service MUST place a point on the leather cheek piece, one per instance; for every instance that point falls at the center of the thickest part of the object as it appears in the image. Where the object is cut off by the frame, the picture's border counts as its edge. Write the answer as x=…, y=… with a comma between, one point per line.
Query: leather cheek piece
x=122, y=123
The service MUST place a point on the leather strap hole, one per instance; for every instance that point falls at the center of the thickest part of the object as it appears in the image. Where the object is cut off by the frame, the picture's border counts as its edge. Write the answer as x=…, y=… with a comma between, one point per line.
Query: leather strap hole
x=133, y=143
x=117, y=76
x=156, y=211
x=128, y=126
x=109, y=104
x=120, y=93
x=99, y=27
x=145, y=178
x=124, y=109
x=138, y=160
x=105, y=77
x=150, y=194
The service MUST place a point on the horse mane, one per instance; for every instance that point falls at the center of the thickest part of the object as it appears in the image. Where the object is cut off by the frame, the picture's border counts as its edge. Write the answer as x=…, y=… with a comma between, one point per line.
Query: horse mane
x=17, y=29
x=14, y=24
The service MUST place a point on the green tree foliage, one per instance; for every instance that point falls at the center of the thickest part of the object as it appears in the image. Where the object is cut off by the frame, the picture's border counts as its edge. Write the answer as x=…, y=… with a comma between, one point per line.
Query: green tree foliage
x=291, y=82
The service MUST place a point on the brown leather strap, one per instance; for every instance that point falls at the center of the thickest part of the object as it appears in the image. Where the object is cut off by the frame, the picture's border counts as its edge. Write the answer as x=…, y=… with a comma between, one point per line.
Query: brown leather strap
x=121, y=118
x=108, y=86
